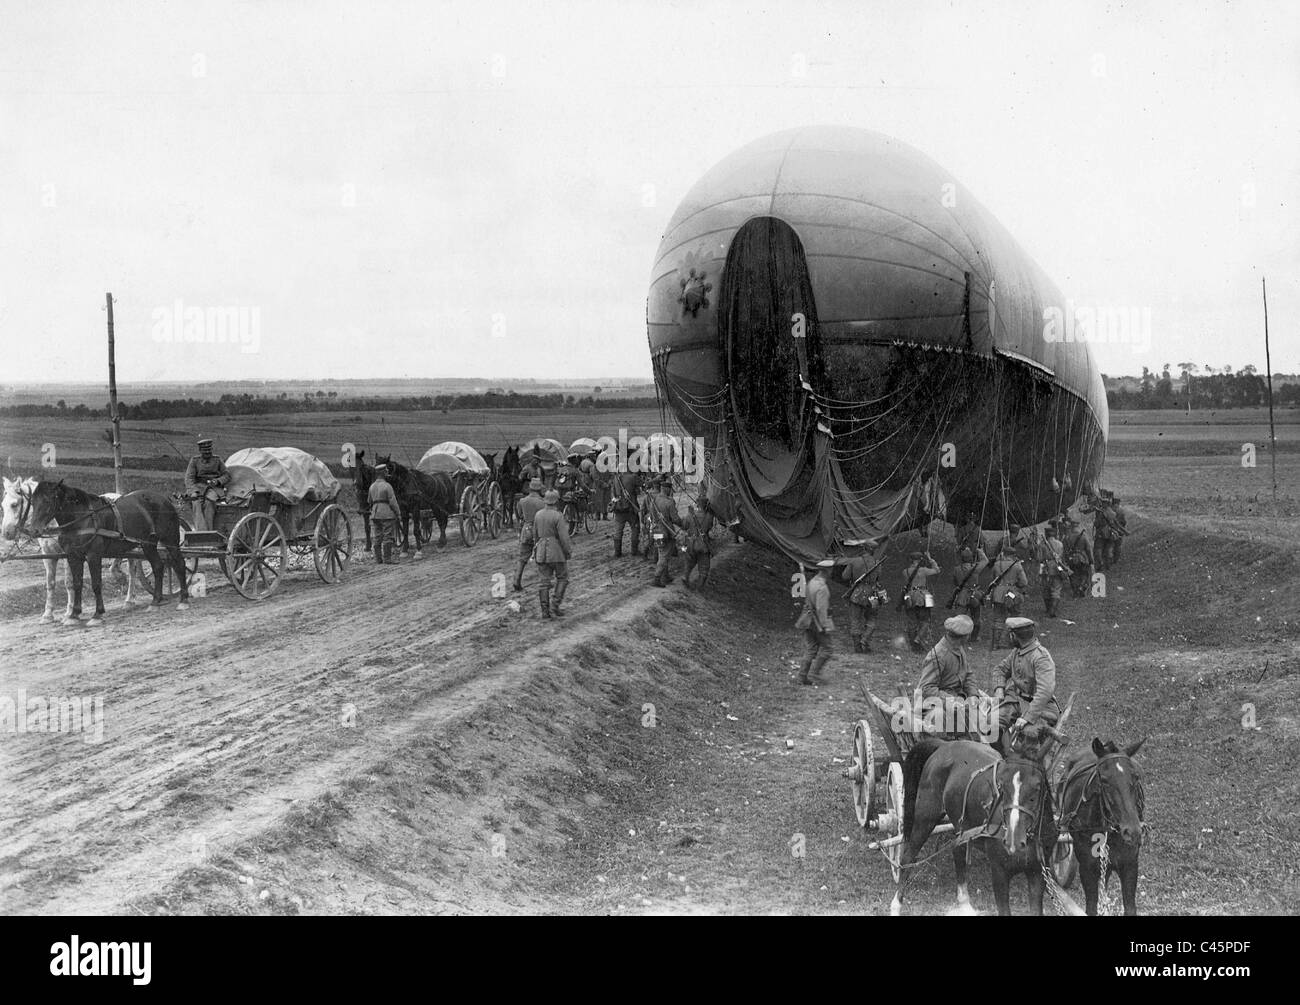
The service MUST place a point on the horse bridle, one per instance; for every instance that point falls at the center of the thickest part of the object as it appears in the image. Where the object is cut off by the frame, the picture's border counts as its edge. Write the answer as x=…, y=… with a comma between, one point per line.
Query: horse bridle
x=1035, y=814
x=1093, y=777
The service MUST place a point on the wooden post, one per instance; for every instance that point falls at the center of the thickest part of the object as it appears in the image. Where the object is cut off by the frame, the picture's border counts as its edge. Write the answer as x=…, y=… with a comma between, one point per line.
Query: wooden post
x=1268, y=365
x=112, y=401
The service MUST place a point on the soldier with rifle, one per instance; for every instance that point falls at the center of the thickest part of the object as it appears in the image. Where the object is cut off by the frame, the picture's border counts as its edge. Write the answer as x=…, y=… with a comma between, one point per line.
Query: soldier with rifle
x=866, y=597
x=1053, y=571
x=915, y=599
x=1007, y=591
x=624, y=487
x=664, y=522
x=696, y=543
x=967, y=594
x=1078, y=557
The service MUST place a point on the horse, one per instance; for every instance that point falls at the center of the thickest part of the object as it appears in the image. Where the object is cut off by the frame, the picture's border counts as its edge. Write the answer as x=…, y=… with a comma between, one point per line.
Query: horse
x=417, y=490
x=511, y=482
x=14, y=489
x=363, y=476
x=1102, y=804
x=1001, y=804
x=89, y=529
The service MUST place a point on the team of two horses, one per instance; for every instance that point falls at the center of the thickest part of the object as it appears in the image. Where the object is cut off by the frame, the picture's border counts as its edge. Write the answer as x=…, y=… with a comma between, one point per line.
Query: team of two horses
x=418, y=491
x=1006, y=807
x=87, y=529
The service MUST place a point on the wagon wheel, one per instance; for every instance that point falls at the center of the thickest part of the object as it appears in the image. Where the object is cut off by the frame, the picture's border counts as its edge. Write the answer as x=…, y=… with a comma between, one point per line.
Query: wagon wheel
x=469, y=518
x=493, y=520
x=332, y=544
x=1064, y=865
x=862, y=773
x=894, y=801
x=170, y=586
x=494, y=503
x=257, y=555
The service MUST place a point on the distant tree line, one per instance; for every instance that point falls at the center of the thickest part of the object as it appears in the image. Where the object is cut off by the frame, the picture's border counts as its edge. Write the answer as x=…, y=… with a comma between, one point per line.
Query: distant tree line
x=319, y=401
x=1203, y=388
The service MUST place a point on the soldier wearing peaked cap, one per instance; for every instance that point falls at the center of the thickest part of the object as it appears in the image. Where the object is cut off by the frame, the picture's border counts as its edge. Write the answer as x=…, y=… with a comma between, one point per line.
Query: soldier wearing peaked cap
x=526, y=510
x=385, y=512
x=206, y=479
x=1027, y=694
x=866, y=597
x=816, y=624
x=916, y=598
x=551, y=553
x=946, y=674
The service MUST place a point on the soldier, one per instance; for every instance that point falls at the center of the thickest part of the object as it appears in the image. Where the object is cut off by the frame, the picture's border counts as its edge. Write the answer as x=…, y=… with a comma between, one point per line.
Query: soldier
x=625, y=487
x=946, y=674
x=816, y=624
x=1007, y=589
x=1027, y=694
x=552, y=553
x=1078, y=556
x=968, y=594
x=862, y=573
x=697, y=541
x=526, y=510
x=664, y=521
x=969, y=534
x=206, y=479
x=384, y=514
x=532, y=467
x=1053, y=571
x=916, y=600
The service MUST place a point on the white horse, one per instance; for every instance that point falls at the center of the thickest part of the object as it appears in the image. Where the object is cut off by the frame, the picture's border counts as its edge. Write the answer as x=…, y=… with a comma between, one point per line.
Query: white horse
x=10, y=529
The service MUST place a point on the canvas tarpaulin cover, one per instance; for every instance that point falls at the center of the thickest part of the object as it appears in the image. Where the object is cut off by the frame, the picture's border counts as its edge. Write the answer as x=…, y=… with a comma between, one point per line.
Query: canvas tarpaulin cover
x=452, y=458
x=291, y=475
x=552, y=452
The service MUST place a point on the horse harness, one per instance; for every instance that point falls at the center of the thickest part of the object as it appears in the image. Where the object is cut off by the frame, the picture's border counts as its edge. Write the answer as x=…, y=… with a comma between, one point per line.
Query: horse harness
x=1093, y=789
x=1036, y=815
x=57, y=530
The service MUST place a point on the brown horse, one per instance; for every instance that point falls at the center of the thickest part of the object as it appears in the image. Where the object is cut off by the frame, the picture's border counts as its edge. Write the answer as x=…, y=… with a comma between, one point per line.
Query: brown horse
x=1102, y=805
x=363, y=476
x=89, y=529
x=417, y=491
x=511, y=482
x=1002, y=805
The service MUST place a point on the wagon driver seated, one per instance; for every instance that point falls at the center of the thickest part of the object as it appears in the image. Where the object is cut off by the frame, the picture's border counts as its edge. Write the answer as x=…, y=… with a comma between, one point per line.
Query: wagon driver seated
x=205, y=483
x=1027, y=695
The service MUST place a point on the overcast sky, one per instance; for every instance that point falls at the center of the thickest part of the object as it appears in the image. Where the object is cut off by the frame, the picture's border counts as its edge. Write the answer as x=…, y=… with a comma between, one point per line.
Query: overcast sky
x=379, y=180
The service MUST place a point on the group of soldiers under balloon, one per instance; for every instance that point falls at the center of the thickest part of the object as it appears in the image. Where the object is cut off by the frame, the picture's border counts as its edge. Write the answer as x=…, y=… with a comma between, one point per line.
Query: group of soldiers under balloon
x=1063, y=553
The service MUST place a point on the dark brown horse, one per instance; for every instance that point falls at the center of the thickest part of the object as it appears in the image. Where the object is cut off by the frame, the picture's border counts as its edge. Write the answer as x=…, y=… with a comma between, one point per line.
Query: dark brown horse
x=363, y=476
x=1003, y=806
x=90, y=528
x=418, y=491
x=512, y=483
x=1102, y=805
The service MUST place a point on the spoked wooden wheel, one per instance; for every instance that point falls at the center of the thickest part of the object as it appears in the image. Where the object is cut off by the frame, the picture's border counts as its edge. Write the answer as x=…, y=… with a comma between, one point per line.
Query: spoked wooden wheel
x=1064, y=865
x=862, y=773
x=493, y=521
x=469, y=518
x=257, y=555
x=894, y=801
x=494, y=509
x=332, y=544
x=170, y=586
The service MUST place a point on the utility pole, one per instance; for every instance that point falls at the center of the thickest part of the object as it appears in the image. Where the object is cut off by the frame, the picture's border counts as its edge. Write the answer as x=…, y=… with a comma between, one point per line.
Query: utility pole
x=112, y=401
x=1268, y=365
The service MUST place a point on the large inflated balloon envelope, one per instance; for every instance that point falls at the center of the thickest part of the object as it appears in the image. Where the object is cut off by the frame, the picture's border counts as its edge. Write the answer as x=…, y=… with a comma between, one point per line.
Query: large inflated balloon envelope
x=863, y=348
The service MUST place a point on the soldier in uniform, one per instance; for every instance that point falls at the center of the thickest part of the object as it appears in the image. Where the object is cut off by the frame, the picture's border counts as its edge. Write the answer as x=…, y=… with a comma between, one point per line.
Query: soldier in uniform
x=526, y=509
x=862, y=573
x=1078, y=556
x=697, y=540
x=816, y=624
x=384, y=514
x=206, y=479
x=664, y=521
x=916, y=599
x=969, y=534
x=625, y=487
x=1008, y=586
x=1027, y=694
x=532, y=468
x=966, y=578
x=1053, y=571
x=552, y=552
x=946, y=674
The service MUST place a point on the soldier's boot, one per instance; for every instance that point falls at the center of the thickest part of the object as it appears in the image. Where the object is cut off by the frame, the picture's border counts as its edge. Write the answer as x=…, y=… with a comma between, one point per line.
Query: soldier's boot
x=544, y=600
x=618, y=548
x=816, y=672
x=803, y=671
x=858, y=646
x=519, y=577
x=559, y=596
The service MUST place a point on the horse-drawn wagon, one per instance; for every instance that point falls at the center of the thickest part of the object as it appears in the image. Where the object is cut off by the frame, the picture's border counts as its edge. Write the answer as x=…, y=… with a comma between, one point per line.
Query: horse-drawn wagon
x=280, y=502
x=478, y=494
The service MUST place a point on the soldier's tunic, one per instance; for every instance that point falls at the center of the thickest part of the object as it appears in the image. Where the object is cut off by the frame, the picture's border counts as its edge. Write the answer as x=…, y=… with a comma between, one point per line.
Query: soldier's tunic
x=201, y=475
x=533, y=469
x=384, y=514
x=863, y=605
x=1054, y=572
x=664, y=523
x=699, y=549
x=625, y=486
x=600, y=494
x=1008, y=591
x=946, y=675
x=526, y=509
x=1029, y=685
x=817, y=635
x=552, y=552
x=914, y=601
x=1078, y=557
x=970, y=597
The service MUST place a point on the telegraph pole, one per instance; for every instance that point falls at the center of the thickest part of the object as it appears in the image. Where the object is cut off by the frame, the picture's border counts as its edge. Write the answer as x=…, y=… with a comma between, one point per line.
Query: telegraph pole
x=112, y=401
x=1268, y=365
